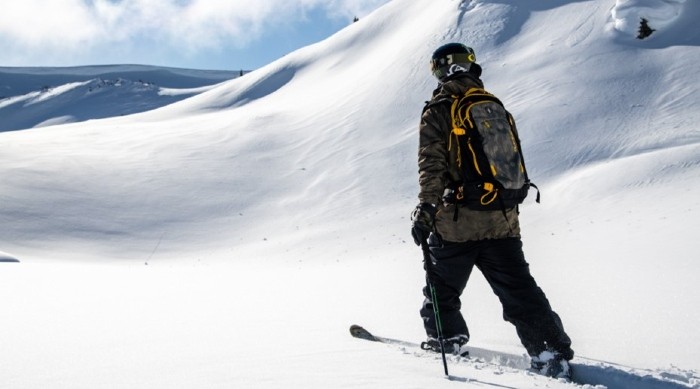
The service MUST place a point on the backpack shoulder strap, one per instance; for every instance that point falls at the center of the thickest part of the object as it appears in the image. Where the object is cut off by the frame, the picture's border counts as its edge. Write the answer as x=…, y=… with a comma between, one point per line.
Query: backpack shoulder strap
x=480, y=94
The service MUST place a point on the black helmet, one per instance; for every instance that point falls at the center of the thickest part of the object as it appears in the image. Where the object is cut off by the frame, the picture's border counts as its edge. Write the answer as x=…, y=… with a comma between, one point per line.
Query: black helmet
x=450, y=59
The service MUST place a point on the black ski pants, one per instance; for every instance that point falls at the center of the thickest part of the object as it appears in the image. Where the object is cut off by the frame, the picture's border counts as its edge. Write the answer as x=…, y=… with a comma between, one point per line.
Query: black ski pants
x=503, y=264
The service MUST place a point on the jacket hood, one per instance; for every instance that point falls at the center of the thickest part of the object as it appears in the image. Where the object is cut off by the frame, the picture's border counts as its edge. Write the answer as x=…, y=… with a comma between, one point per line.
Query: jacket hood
x=457, y=85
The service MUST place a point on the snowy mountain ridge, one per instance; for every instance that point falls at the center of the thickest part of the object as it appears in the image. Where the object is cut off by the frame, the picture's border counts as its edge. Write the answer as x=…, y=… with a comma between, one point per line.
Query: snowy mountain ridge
x=165, y=247
x=39, y=97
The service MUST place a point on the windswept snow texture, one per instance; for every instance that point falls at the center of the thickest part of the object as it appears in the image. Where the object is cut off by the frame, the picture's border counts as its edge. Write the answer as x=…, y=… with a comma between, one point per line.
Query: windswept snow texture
x=39, y=97
x=229, y=239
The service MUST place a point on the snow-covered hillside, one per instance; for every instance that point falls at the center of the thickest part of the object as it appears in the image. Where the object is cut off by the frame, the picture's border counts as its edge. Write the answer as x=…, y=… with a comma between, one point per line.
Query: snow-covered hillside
x=229, y=239
x=40, y=97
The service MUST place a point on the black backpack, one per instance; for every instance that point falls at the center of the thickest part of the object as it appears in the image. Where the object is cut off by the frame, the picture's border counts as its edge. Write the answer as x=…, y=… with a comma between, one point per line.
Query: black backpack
x=489, y=154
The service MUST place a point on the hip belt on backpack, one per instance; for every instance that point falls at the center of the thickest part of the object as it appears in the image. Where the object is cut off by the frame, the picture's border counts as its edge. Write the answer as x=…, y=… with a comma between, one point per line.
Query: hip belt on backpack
x=486, y=196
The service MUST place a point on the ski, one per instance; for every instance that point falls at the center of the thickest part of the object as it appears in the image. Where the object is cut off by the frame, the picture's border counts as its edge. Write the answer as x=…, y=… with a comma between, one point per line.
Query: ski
x=360, y=333
x=476, y=355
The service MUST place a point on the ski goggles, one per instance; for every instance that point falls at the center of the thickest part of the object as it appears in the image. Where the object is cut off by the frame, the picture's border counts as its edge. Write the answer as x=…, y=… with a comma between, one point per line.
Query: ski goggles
x=452, y=63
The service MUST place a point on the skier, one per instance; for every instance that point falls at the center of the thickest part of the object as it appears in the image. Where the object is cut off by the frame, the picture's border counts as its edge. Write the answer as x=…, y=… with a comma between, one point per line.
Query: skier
x=460, y=237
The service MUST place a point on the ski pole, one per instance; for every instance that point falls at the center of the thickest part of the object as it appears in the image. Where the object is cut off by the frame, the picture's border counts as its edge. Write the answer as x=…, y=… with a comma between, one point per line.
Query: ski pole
x=433, y=297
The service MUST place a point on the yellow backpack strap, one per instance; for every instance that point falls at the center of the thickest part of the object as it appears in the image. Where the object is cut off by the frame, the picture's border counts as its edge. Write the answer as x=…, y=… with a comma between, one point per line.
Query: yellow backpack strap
x=460, y=118
x=454, y=112
x=475, y=90
x=457, y=129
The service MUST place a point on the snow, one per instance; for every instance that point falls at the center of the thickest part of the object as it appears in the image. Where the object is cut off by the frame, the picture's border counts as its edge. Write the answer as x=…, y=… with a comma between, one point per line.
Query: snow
x=40, y=97
x=230, y=238
x=627, y=14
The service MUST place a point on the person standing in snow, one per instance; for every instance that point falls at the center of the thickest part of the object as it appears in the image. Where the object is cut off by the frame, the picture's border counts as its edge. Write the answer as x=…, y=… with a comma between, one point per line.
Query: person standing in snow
x=460, y=237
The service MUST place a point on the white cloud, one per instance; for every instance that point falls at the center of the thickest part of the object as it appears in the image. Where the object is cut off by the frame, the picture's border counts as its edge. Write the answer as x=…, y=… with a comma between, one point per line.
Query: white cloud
x=46, y=22
x=57, y=26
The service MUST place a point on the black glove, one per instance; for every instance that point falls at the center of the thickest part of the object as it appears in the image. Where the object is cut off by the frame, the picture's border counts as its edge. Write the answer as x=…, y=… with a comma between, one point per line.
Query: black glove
x=423, y=222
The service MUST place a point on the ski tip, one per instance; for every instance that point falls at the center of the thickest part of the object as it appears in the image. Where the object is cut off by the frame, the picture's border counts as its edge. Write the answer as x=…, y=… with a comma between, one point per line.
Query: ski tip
x=5, y=257
x=359, y=332
x=355, y=327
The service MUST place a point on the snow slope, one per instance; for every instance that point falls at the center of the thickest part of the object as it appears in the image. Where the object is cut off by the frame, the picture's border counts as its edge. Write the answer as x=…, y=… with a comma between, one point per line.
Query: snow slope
x=39, y=97
x=230, y=239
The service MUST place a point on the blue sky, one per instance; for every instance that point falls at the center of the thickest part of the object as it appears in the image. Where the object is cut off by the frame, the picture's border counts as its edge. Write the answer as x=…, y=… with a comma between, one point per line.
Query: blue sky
x=198, y=34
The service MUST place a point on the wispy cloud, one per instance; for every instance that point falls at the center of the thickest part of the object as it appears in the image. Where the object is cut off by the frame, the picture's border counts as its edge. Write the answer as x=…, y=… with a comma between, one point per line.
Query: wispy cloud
x=74, y=26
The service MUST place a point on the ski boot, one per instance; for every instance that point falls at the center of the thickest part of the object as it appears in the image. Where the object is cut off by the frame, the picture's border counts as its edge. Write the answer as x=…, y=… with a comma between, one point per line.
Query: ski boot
x=551, y=363
x=456, y=345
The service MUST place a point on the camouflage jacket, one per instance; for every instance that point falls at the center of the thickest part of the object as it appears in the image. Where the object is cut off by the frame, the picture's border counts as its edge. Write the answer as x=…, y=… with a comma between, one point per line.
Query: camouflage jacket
x=437, y=168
